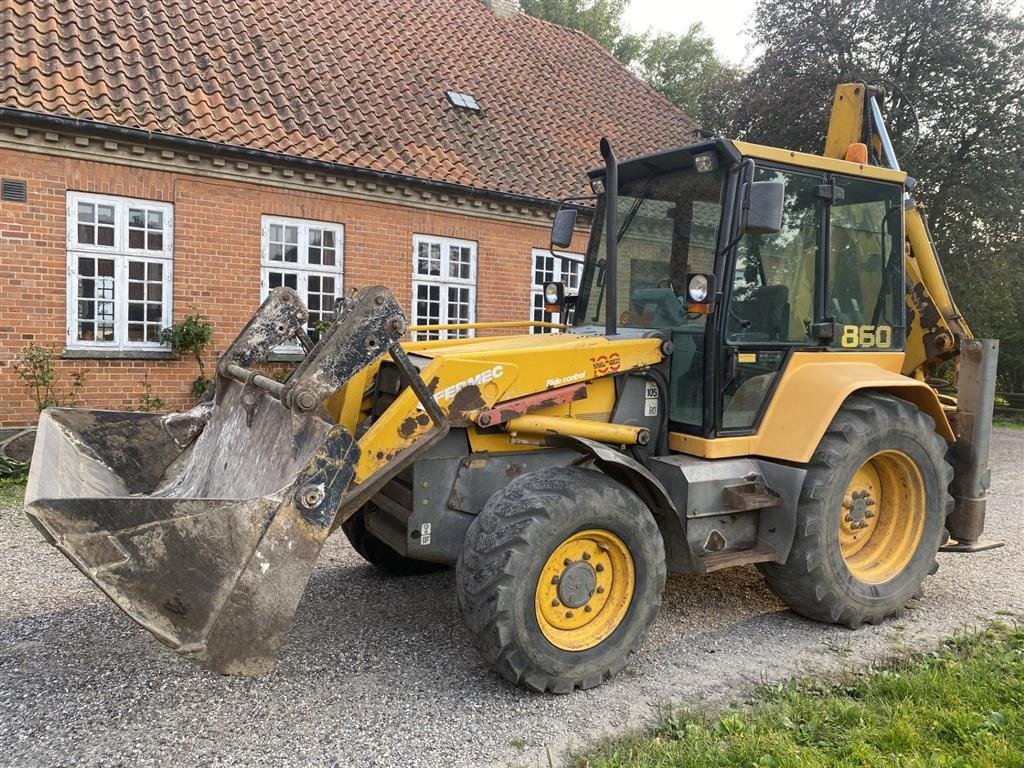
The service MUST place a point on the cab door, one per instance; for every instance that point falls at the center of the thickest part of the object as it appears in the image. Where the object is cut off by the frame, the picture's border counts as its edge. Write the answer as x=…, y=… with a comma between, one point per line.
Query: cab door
x=772, y=302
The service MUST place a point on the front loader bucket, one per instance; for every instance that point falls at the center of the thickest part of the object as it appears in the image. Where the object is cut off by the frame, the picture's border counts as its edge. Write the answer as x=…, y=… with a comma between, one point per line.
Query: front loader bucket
x=204, y=527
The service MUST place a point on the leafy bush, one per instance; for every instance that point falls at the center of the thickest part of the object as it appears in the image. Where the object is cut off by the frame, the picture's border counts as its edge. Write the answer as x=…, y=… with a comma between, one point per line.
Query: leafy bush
x=191, y=337
x=34, y=366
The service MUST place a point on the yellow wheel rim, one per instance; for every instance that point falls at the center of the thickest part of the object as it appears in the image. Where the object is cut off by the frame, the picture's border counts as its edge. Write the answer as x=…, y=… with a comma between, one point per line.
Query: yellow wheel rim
x=584, y=590
x=881, y=518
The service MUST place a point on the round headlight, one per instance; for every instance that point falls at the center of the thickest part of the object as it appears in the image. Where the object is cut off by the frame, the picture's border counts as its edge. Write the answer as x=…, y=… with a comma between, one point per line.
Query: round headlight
x=551, y=293
x=697, y=290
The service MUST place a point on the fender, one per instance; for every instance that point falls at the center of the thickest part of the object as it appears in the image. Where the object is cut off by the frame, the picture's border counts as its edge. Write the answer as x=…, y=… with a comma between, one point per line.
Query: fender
x=811, y=389
x=629, y=472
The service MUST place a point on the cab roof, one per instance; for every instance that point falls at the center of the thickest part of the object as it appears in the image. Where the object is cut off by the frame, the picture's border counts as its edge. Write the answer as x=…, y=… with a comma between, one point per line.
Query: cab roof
x=728, y=152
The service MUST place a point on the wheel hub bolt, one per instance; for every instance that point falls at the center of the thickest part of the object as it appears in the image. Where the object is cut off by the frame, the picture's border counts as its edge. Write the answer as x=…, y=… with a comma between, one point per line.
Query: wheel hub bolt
x=555, y=603
x=568, y=614
x=586, y=555
x=587, y=608
x=599, y=568
x=600, y=590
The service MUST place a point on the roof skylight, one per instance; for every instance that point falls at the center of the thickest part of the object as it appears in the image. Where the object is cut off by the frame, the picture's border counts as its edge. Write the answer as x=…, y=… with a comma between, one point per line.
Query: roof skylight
x=463, y=100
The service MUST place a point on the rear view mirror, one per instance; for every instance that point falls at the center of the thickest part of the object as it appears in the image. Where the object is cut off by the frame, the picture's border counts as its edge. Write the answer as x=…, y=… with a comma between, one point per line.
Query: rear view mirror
x=764, y=213
x=563, y=228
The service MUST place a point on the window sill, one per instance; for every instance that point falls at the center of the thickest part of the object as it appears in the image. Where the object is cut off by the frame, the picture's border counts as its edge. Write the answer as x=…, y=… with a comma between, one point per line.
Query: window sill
x=118, y=354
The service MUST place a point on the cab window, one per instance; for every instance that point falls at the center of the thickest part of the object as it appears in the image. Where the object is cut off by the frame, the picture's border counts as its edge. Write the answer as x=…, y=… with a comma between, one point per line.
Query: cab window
x=864, y=293
x=774, y=277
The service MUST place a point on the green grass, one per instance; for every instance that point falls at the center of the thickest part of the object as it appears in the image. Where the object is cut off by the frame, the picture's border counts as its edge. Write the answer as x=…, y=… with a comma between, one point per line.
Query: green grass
x=1008, y=424
x=961, y=706
x=12, y=492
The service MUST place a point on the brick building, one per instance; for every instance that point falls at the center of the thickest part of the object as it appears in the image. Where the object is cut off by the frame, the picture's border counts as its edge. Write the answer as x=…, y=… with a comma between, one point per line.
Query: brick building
x=165, y=157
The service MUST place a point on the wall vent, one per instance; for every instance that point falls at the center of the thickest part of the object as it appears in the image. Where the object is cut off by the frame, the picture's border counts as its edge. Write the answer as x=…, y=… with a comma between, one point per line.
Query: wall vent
x=13, y=190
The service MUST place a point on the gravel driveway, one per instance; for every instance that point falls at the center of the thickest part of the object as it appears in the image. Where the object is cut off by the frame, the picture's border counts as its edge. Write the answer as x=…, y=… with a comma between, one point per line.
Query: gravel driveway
x=378, y=671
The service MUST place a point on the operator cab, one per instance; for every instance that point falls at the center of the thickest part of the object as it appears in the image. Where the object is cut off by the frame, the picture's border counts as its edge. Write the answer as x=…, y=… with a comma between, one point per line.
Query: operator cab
x=741, y=256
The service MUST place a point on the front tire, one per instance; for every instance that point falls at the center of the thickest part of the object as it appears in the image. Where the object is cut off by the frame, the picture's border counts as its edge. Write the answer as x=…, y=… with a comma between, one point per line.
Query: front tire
x=871, y=517
x=560, y=576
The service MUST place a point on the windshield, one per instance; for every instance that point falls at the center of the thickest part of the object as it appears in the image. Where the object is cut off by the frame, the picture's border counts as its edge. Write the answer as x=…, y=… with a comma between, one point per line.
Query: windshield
x=668, y=227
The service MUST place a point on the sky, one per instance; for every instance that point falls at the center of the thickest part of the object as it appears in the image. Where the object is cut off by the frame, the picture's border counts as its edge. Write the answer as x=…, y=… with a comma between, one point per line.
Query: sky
x=724, y=21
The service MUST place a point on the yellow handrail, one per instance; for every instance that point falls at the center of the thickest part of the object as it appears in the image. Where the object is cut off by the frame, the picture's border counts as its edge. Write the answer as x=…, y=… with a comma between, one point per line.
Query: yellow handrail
x=485, y=326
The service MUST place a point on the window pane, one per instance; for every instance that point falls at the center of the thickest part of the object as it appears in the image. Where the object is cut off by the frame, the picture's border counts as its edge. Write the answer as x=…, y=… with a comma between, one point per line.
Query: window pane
x=136, y=238
x=155, y=241
x=315, y=236
x=106, y=267
x=774, y=278
x=136, y=218
x=459, y=262
x=104, y=235
x=155, y=271
x=274, y=280
x=276, y=251
x=105, y=214
x=291, y=280
x=86, y=234
x=86, y=266
x=291, y=253
x=865, y=266
x=136, y=292
x=429, y=259
x=155, y=220
x=276, y=232
x=86, y=212
x=328, y=238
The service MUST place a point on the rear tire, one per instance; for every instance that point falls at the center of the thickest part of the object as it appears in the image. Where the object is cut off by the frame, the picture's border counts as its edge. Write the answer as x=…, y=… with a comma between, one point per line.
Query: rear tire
x=378, y=554
x=871, y=516
x=560, y=576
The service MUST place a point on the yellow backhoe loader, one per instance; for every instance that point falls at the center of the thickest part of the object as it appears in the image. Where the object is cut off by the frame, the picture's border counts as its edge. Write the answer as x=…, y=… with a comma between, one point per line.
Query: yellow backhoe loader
x=746, y=378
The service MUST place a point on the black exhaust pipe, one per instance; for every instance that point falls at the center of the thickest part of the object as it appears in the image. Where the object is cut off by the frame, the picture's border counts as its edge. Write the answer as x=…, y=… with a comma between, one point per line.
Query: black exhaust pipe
x=611, y=222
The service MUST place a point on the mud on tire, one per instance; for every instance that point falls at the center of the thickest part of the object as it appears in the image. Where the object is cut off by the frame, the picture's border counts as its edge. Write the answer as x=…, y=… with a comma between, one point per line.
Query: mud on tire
x=509, y=545
x=816, y=580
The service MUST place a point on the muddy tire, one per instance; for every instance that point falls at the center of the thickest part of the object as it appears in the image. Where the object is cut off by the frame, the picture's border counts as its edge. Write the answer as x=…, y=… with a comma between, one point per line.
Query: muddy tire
x=377, y=553
x=871, y=517
x=560, y=576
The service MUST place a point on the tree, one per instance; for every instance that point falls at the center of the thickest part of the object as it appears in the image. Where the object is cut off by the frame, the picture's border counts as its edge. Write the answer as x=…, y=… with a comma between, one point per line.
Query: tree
x=599, y=19
x=683, y=68
x=687, y=71
x=959, y=64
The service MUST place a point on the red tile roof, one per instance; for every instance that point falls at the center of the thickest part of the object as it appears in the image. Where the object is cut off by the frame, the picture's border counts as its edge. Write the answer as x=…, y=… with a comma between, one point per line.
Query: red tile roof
x=355, y=82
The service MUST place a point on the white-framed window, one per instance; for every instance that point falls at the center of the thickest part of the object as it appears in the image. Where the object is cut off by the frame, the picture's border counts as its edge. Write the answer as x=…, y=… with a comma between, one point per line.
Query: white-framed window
x=443, y=284
x=306, y=256
x=120, y=271
x=547, y=268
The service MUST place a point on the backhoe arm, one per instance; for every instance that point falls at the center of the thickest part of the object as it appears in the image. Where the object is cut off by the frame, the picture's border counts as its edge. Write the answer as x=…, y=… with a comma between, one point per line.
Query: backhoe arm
x=935, y=329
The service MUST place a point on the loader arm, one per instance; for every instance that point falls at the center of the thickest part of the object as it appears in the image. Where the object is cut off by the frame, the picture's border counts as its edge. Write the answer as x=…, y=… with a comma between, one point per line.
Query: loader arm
x=935, y=329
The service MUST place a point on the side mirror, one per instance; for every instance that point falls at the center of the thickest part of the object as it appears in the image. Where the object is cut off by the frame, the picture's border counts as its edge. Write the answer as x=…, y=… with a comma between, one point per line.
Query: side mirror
x=764, y=212
x=563, y=228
